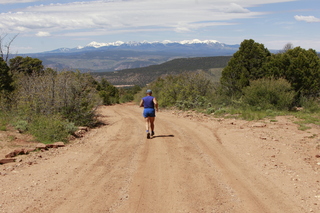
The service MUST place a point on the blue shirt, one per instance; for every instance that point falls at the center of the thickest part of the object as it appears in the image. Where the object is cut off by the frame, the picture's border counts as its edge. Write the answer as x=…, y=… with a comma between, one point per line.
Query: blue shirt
x=148, y=102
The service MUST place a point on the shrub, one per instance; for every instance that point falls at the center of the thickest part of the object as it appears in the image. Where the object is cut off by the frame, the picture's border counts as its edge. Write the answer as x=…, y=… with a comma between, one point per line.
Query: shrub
x=72, y=95
x=210, y=110
x=266, y=93
x=51, y=129
x=21, y=125
x=309, y=104
x=186, y=91
x=107, y=92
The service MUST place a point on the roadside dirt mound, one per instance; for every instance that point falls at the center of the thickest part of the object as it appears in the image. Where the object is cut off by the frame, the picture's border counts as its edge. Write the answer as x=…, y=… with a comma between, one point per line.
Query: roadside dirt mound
x=194, y=163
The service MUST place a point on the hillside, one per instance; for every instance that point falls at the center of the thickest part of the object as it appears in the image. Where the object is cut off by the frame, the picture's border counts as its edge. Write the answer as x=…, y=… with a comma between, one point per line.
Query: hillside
x=145, y=75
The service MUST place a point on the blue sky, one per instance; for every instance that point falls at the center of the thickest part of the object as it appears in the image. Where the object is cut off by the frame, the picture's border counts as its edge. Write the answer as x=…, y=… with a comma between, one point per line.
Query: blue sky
x=44, y=25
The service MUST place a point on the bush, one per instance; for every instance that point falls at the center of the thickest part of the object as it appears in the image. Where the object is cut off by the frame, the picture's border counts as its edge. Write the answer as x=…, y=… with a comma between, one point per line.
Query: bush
x=265, y=94
x=309, y=104
x=72, y=95
x=189, y=90
x=51, y=129
x=107, y=92
x=210, y=110
x=21, y=125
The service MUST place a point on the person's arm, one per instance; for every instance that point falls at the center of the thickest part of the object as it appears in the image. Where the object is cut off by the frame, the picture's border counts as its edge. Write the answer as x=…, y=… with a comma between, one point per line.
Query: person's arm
x=141, y=103
x=155, y=104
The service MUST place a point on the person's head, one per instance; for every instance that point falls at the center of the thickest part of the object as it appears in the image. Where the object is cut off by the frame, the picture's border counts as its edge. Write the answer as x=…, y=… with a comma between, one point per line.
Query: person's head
x=149, y=92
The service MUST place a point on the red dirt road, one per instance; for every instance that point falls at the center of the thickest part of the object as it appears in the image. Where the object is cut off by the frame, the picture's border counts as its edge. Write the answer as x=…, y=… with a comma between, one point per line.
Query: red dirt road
x=193, y=164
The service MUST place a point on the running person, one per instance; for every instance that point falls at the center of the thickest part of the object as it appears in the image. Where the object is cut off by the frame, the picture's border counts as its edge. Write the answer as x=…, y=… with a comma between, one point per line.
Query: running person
x=150, y=105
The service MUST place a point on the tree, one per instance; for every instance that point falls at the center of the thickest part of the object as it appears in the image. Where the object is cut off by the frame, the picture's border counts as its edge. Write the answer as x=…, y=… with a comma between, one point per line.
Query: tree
x=245, y=65
x=298, y=66
x=288, y=46
x=5, y=47
x=5, y=77
x=26, y=65
x=108, y=92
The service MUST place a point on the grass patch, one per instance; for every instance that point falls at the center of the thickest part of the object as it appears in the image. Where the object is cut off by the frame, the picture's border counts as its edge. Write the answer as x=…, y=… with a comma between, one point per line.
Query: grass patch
x=306, y=118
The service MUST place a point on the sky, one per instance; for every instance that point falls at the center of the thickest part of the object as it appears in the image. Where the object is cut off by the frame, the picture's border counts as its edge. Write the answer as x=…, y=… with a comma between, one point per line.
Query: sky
x=44, y=25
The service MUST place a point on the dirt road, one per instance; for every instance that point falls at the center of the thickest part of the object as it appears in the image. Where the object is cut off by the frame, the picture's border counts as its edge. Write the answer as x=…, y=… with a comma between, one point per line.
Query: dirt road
x=193, y=164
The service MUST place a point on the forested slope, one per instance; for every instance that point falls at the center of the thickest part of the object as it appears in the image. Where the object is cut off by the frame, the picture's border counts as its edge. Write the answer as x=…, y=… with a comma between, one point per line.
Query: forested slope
x=145, y=75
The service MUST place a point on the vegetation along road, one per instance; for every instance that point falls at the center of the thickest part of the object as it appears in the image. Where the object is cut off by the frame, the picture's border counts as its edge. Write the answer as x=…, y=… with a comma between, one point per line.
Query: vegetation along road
x=193, y=164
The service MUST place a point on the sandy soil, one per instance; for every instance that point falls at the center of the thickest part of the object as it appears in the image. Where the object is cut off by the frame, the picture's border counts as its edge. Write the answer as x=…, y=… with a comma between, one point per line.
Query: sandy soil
x=193, y=164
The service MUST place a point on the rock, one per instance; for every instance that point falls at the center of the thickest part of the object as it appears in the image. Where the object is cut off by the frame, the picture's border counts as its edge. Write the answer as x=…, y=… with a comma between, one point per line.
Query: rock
x=59, y=144
x=55, y=145
x=30, y=150
x=80, y=133
x=83, y=128
x=7, y=160
x=317, y=156
x=10, y=155
x=41, y=146
x=50, y=146
x=18, y=152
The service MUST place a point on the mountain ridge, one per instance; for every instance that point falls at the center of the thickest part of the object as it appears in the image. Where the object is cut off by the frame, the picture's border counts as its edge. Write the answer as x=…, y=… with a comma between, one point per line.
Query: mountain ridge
x=102, y=57
x=144, y=45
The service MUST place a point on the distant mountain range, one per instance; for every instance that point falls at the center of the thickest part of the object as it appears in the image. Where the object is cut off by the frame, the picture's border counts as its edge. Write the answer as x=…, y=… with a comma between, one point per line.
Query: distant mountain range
x=102, y=57
x=168, y=46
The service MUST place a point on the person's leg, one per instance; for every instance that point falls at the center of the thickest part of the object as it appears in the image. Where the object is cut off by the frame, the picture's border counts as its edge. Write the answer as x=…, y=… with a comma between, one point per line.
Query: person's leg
x=152, y=125
x=147, y=119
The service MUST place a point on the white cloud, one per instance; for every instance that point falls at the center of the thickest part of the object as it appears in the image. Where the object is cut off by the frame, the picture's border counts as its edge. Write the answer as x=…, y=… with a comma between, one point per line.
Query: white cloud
x=235, y=8
x=16, y=1
x=43, y=34
x=123, y=15
x=308, y=19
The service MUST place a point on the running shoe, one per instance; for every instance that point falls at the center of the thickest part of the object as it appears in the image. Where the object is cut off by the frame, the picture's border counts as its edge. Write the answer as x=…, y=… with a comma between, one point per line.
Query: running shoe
x=152, y=133
x=148, y=135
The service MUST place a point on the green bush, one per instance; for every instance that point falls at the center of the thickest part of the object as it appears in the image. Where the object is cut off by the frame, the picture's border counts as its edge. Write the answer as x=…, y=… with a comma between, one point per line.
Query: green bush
x=107, y=92
x=309, y=104
x=266, y=93
x=51, y=129
x=190, y=90
x=3, y=121
x=210, y=110
x=21, y=125
x=72, y=95
x=220, y=111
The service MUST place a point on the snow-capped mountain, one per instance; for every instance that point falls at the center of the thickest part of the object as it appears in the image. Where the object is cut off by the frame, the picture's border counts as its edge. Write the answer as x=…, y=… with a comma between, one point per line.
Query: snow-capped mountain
x=196, y=46
x=165, y=42
x=123, y=55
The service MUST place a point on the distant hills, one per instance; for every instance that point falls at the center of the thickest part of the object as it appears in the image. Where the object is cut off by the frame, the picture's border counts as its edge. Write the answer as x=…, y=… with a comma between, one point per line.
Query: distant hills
x=145, y=75
x=104, y=57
